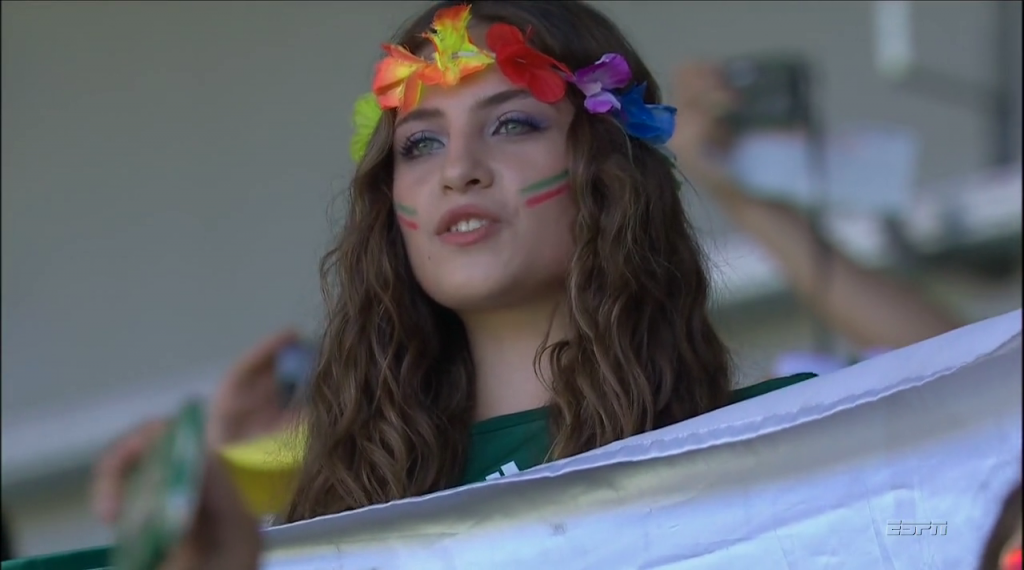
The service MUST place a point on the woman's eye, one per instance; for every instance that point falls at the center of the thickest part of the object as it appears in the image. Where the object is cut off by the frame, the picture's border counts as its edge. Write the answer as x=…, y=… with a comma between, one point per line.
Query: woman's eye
x=426, y=145
x=418, y=146
x=511, y=128
x=518, y=126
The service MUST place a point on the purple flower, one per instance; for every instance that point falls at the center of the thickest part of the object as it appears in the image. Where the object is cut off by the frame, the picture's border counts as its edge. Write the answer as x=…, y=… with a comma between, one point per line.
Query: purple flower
x=596, y=82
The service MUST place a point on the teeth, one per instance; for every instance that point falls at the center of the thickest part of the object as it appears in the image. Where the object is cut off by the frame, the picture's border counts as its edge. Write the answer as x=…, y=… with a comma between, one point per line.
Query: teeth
x=467, y=225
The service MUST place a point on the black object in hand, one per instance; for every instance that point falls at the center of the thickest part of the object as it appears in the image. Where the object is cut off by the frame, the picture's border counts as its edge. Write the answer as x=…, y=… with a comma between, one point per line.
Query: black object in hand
x=774, y=93
x=294, y=368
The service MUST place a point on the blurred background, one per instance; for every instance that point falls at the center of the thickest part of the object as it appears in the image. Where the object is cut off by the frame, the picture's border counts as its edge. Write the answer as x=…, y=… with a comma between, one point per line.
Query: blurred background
x=169, y=172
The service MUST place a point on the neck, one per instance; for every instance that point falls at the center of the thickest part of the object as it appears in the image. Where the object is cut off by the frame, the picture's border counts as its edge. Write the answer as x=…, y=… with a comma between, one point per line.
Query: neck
x=504, y=345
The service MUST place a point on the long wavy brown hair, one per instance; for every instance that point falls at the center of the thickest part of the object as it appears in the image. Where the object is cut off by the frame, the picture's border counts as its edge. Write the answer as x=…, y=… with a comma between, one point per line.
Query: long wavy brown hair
x=391, y=404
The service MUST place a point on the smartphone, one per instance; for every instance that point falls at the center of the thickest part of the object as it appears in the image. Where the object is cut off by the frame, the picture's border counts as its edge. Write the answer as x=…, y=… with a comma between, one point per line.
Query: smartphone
x=294, y=367
x=774, y=92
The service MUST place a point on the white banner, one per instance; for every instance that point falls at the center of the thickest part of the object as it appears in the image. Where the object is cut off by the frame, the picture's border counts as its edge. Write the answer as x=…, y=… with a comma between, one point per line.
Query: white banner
x=900, y=462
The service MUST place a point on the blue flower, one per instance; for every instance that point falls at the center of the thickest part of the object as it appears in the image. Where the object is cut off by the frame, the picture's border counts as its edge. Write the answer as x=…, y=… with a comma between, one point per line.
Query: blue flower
x=653, y=124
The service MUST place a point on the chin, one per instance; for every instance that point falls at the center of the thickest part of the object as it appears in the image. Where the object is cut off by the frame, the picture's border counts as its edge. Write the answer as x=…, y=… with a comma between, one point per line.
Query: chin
x=468, y=296
x=484, y=286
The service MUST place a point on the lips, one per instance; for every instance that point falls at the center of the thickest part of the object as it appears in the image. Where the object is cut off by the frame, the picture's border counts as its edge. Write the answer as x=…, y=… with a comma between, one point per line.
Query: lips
x=463, y=214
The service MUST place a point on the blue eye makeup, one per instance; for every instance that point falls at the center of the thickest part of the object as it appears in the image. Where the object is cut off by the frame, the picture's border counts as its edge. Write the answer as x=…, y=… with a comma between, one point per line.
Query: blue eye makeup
x=511, y=124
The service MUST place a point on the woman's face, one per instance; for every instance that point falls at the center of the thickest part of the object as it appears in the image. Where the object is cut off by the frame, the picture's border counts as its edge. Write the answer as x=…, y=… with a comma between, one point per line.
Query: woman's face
x=481, y=193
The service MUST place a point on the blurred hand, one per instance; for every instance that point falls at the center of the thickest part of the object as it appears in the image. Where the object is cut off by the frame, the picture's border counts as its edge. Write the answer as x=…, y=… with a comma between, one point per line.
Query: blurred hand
x=703, y=100
x=223, y=534
x=111, y=471
x=248, y=402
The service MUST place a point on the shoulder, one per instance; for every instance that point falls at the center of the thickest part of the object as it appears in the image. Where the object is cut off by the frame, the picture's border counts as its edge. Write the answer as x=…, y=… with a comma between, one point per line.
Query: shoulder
x=762, y=388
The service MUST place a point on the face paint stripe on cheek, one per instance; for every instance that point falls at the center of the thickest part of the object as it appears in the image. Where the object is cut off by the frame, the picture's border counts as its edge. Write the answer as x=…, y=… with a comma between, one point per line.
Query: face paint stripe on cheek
x=546, y=183
x=546, y=189
x=538, y=199
x=405, y=215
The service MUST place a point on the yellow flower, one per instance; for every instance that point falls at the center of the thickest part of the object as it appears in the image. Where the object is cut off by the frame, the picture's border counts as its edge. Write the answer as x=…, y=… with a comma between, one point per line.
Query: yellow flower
x=455, y=55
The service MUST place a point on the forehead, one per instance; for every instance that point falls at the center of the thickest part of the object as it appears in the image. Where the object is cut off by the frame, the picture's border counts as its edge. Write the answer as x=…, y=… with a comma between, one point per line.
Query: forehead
x=469, y=90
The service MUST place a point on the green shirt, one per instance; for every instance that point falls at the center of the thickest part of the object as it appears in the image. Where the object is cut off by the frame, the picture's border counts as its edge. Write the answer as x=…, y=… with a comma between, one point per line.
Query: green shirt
x=499, y=446
x=511, y=443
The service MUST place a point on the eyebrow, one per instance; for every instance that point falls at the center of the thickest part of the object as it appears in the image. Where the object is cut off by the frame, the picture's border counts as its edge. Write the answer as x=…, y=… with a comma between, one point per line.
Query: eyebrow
x=499, y=98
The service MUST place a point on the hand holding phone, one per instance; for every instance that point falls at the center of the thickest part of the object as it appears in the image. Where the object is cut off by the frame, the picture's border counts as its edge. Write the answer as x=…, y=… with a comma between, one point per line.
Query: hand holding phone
x=772, y=92
x=248, y=403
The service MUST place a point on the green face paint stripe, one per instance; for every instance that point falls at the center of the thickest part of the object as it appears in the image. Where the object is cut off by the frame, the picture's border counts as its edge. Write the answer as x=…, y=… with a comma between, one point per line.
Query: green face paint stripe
x=548, y=195
x=405, y=210
x=545, y=184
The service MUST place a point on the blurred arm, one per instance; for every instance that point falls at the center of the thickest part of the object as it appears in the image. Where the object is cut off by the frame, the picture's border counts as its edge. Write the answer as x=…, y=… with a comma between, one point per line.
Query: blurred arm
x=867, y=307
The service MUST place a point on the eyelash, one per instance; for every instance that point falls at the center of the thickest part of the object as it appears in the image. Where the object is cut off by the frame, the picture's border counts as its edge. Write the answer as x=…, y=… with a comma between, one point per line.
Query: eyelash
x=408, y=148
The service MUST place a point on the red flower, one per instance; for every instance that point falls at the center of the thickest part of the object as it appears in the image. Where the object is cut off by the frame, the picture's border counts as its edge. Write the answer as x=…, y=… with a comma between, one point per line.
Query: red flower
x=524, y=66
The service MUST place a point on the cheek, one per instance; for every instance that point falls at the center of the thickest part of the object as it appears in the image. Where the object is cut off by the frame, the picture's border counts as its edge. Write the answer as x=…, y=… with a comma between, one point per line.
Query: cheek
x=550, y=218
x=408, y=217
x=545, y=191
x=405, y=203
x=416, y=249
x=547, y=207
x=412, y=227
x=413, y=235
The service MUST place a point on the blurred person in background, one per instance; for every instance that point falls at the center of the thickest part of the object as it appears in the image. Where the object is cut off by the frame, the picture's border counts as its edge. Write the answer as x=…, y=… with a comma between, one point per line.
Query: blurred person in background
x=1003, y=548
x=872, y=310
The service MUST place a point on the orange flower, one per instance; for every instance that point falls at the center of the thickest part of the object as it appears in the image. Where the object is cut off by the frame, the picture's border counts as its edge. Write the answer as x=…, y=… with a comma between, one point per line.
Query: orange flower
x=401, y=75
x=398, y=79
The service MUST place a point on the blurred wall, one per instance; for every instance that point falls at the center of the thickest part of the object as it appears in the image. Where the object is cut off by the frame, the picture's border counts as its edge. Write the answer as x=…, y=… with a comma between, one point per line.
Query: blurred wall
x=168, y=167
x=1015, y=29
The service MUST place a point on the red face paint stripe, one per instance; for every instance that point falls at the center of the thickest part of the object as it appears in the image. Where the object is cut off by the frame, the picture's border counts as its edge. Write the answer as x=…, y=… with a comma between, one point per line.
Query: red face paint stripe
x=408, y=223
x=538, y=199
x=405, y=215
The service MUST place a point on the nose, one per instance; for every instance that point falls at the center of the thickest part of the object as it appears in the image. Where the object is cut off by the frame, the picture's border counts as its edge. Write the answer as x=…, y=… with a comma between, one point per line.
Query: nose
x=466, y=166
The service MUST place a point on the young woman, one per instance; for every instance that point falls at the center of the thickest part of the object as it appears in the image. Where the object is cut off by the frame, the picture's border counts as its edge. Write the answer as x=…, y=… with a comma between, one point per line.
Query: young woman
x=517, y=281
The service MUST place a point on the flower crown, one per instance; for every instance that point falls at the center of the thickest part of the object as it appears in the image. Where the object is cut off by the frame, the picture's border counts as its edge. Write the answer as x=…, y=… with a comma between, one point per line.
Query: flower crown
x=401, y=76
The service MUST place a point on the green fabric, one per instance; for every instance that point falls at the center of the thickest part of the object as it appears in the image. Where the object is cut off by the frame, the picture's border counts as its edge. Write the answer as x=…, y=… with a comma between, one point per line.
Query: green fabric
x=762, y=388
x=88, y=559
x=514, y=442
x=507, y=444
x=499, y=446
